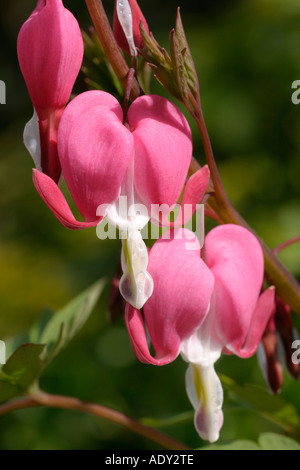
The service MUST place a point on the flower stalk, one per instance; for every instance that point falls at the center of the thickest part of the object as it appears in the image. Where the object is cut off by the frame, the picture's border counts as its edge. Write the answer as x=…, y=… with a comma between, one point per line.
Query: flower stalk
x=69, y=403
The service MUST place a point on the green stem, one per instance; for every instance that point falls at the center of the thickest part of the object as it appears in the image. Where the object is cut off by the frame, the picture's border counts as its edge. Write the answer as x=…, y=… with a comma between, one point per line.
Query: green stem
x=58, y=401
x=110, y=46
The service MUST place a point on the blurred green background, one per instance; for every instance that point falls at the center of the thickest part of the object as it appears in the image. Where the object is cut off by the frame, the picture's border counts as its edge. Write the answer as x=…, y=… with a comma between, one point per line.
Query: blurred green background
x=247, y=54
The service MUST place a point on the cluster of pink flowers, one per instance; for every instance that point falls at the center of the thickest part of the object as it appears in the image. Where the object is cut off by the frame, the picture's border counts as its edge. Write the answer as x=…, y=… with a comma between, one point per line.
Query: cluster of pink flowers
x=195, y=302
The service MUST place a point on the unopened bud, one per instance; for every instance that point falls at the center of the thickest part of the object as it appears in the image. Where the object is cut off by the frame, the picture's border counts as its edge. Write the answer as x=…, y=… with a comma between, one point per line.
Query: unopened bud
x=126, y=26
x=287, y=334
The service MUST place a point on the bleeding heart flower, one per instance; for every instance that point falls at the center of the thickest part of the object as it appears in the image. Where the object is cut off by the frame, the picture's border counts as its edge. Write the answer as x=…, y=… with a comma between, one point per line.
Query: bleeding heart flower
x=126, y=26
x=50, y=52
x=145, y=161
x=201, y=309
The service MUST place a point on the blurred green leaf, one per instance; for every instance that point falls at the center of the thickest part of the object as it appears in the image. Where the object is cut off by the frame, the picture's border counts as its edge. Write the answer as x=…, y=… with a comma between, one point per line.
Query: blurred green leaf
x=267, y=441
x=181, y=418
x=272, y=408
x=66, y=323
x=27, y=363
x=271, y=441
x=235, y=445
x=21, y=371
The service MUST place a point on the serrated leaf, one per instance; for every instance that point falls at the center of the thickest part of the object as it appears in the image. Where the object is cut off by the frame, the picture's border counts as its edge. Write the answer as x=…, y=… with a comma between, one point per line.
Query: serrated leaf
x=271, y=441
x=22, y=370
x=64, y=325
x=235, y=445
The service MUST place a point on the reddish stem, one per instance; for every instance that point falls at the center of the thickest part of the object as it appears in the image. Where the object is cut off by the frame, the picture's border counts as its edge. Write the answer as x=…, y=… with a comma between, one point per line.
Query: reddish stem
x=58, y=401
x=285, y=245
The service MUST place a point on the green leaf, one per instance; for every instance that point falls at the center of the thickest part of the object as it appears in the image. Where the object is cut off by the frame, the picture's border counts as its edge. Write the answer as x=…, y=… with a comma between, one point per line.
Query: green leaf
x=170, y=421
x=66, y=323
x=271, y=441
x=24, y=367
x=267, y=441
x=22, y=370
x=235, y=445
x=259, y=400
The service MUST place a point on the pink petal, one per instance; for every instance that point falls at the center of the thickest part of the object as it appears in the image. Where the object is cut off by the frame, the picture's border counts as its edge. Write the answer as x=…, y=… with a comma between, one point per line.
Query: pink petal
x=136, y=329
x=94, y=149
x=55, y=200
x=195, y=188
x=263, y=312
x=193, y=194
x=182, y=289
x=163, y=149
x=50, y=52
x=235, y=258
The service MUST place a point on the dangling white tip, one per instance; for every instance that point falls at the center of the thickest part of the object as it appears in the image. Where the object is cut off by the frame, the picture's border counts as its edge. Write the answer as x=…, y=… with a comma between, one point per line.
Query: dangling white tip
x=31, y=138
x=136, y=284
x=205, y=392
x=125, y=18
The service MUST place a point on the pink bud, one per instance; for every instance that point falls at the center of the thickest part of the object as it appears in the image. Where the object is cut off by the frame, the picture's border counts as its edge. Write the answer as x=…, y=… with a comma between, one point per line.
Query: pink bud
x=50, y=52
x=287, y=334
x=272, y=367
x=137, y=17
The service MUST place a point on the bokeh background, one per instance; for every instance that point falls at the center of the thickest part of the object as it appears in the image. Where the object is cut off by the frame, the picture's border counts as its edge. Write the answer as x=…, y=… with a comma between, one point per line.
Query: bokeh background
x=247, y=54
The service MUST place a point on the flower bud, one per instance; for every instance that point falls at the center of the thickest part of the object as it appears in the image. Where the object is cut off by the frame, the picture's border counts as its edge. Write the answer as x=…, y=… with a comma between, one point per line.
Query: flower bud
x=268, y=359
x=50, y=52
x=287, y=335
x=126, y=25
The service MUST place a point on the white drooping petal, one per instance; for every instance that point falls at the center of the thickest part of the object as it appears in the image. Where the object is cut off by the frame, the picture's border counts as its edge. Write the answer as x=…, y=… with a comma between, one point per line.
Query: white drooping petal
x=31, y=137
x=136, y=284
x=201, y=350
x=125, y=19
x=205, y=392
x=130, y=217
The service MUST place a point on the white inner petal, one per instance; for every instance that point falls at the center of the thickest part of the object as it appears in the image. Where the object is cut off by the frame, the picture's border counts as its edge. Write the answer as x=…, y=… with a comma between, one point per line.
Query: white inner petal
x=136, y=284
x=31, y=137
x=130, y=217
x=125, y=19
x=201, y=350
x=205, y=392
